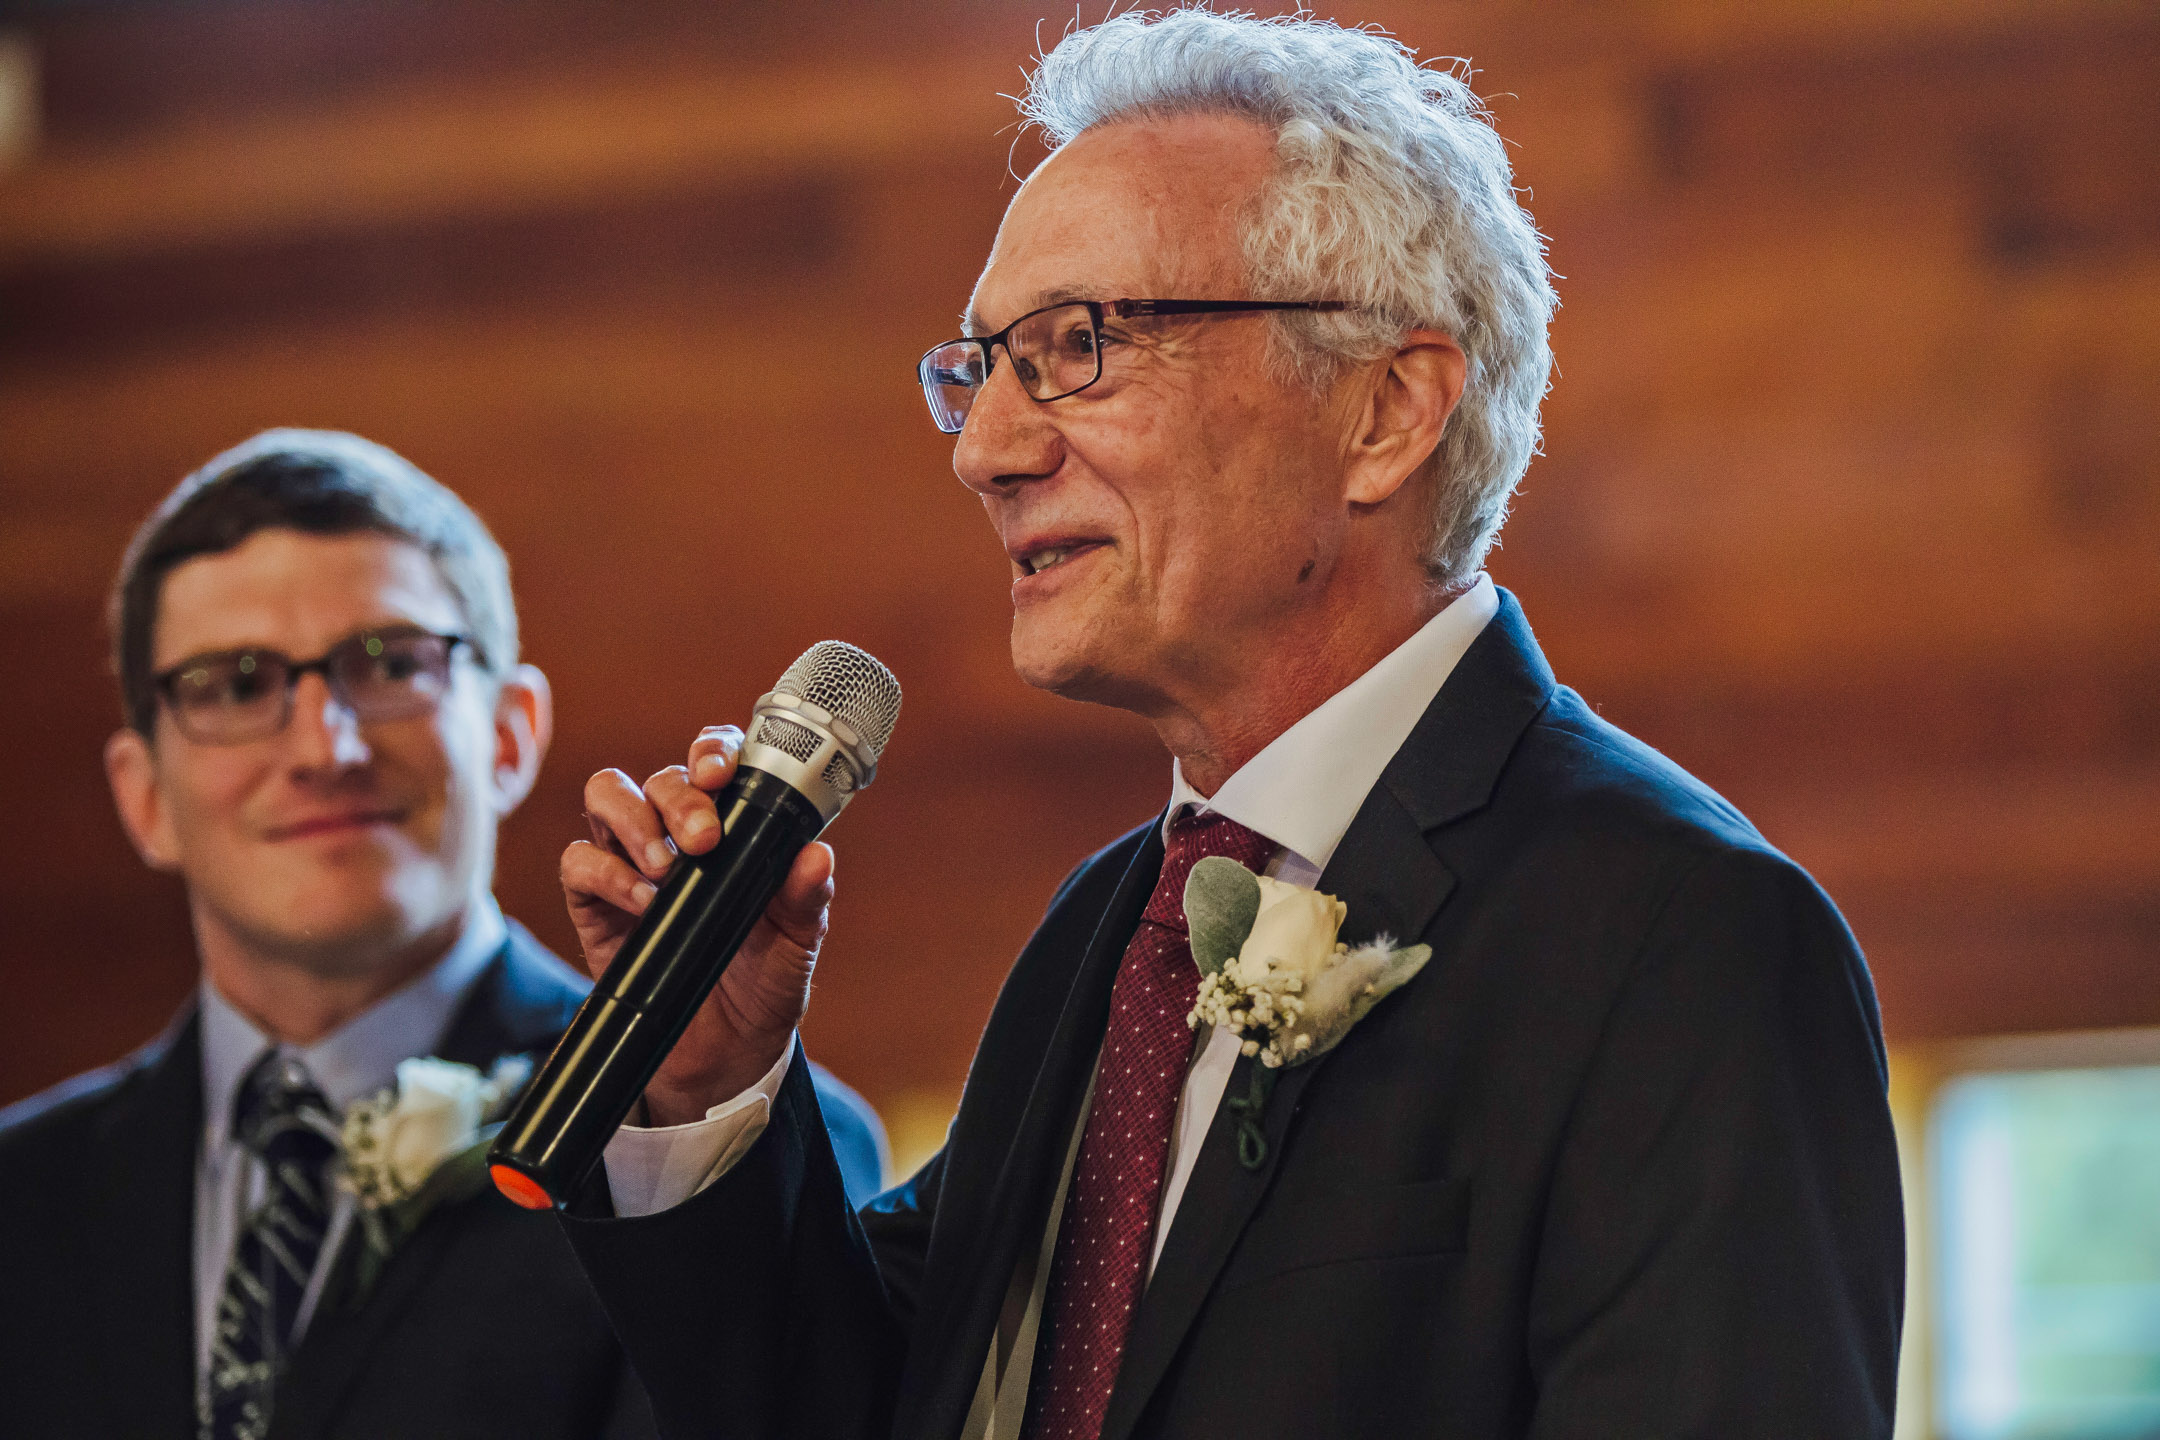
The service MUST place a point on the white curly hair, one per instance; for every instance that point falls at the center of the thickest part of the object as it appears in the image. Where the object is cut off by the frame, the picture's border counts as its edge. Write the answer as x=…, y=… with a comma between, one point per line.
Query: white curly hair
x=1392, y=191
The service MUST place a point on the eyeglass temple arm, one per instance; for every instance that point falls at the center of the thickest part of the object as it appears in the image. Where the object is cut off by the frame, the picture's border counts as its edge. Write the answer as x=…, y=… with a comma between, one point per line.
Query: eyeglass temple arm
x=1127, y=308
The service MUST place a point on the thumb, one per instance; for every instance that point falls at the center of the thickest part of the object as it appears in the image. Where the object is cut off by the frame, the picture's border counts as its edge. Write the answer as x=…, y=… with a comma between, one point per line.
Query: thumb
x=799, y=911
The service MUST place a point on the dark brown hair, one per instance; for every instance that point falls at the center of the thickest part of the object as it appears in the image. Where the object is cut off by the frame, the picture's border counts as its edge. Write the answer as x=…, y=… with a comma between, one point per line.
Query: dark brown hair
x=321, y=482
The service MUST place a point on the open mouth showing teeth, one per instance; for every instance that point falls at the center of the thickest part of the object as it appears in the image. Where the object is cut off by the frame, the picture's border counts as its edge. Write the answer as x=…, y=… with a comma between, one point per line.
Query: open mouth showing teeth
x=1042, y=560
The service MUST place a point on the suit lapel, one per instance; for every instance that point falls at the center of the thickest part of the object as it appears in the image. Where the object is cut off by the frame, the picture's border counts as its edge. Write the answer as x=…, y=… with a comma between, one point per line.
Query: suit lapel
x=521, y=1001
x=1386, y=873
x=144, y=1208
x=1020, y=1195
x=341, y=1338
x=1385, y=870
x=1390, y=879
x=1452, y=761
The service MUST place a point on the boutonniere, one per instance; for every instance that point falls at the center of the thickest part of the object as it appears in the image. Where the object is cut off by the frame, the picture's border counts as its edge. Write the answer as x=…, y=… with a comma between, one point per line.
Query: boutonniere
x=1273, y=973
x=418, y=1144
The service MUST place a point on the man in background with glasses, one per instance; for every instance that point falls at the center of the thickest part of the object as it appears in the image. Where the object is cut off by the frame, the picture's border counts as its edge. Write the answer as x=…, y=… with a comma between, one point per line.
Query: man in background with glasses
x=1247, y=379
x=326, y=720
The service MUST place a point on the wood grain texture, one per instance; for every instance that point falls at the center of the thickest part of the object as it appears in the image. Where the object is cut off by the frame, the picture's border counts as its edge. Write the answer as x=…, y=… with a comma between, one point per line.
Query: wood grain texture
x=1849, y=498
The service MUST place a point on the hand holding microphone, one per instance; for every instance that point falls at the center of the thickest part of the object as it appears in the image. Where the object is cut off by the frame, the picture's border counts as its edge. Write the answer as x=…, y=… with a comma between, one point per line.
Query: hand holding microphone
x=611, y=880
x=672, y=1015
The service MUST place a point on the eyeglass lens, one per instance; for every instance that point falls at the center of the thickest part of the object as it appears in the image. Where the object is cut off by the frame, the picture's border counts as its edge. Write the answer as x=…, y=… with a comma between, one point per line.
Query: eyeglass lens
x=1054, y=352
x=247, y=694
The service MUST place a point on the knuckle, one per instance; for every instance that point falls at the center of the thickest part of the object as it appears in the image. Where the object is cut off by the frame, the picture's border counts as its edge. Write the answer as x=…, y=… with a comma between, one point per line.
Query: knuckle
x=605, y=786
x=582, y=861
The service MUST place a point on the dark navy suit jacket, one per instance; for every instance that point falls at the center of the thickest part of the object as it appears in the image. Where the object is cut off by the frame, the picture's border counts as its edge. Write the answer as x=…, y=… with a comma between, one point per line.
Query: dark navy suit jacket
x=480, y=1326
x=1617, y=1163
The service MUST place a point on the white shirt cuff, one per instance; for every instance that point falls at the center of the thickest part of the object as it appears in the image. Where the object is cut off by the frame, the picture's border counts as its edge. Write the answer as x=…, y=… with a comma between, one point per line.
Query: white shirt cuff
x=650, y=1170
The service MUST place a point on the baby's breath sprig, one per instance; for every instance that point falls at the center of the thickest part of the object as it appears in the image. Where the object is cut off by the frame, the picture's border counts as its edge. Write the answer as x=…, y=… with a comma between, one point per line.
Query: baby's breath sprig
x=1263, y=1011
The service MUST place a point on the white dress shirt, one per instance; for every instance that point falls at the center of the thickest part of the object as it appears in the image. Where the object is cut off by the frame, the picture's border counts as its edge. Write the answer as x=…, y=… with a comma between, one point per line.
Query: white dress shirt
x=1301, y=792
x=353, y=1061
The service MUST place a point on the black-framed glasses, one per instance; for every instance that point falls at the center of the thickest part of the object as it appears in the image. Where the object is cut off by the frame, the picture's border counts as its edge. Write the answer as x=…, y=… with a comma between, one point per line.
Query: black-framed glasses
x=233, y=696
x=1055, y=351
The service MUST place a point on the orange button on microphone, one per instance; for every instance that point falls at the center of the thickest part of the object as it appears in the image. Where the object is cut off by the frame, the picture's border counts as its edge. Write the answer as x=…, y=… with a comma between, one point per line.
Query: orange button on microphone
x=521, y=1188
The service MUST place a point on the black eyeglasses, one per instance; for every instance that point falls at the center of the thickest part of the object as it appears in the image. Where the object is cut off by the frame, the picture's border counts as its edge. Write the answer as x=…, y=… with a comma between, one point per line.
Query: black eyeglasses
x=1055, y=351
x=234, y=696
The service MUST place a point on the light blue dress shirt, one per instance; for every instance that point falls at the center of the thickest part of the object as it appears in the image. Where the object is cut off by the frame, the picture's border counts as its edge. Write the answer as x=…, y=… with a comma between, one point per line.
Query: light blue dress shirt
x=356, y=1060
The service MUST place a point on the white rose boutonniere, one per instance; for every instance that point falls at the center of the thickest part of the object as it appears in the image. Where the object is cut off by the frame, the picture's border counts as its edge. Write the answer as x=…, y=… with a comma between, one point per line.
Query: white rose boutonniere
x=419, y=1143
x=1273, y=973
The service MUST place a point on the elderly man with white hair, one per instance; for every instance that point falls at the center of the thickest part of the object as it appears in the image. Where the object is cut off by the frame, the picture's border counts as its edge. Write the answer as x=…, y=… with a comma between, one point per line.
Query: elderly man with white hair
x=1441, y=1061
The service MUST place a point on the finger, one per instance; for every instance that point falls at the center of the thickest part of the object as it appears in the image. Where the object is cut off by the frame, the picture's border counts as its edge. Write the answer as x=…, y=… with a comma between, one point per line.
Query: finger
x=689, y=813
x=800, y=911
x=593, y=877
x=713, y=755
x=617, y=809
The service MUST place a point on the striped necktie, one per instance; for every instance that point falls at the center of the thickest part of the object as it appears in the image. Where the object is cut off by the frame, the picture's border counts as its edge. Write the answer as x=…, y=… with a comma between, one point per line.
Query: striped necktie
x=282, y=1119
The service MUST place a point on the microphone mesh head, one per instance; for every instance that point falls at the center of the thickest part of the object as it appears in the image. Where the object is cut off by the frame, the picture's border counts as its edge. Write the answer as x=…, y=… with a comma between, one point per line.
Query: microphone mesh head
x=853, y=685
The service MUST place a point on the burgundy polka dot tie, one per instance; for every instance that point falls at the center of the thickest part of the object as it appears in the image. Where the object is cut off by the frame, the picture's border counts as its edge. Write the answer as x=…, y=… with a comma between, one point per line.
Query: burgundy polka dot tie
x=1108, y=1229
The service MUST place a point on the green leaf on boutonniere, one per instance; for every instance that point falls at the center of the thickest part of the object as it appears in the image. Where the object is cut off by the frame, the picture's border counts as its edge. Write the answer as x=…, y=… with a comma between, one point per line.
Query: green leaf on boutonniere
x=1396, y=969
x=1222, y=899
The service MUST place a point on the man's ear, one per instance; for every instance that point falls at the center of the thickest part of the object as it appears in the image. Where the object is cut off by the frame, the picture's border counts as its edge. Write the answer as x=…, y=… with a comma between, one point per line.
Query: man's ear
x=524, y=723
x=131, y=770
x=1407, y=401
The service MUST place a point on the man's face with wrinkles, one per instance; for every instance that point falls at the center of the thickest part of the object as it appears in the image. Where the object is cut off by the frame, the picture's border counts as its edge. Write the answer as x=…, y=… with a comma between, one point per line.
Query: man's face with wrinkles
x=1160, y=522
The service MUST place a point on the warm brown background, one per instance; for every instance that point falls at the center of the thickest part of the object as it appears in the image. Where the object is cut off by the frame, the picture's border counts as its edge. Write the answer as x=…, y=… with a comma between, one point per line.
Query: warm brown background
x=1850, y=500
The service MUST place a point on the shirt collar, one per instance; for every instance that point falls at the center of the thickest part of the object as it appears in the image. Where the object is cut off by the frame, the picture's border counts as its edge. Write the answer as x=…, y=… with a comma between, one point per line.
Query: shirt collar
x=361, y=1056
x=1303, y=790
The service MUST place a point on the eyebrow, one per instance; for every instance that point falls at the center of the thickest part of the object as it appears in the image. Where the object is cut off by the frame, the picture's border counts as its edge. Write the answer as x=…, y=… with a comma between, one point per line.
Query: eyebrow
x=380, y=627
x=973, y=323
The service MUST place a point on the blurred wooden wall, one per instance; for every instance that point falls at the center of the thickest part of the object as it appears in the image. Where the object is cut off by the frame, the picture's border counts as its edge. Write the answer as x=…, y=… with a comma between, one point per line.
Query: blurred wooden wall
x=1850, y=499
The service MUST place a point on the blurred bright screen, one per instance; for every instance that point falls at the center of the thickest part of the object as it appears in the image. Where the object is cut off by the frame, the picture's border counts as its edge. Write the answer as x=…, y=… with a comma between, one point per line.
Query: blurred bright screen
x=2046, y=1245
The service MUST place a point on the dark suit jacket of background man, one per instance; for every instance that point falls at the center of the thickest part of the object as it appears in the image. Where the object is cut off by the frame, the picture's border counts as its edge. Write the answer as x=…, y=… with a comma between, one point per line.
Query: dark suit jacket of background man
x=1618, y=1163
x=480, y=1325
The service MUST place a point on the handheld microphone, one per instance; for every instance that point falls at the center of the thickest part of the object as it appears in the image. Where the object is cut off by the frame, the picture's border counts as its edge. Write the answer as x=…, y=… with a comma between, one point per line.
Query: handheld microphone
x=814, y=741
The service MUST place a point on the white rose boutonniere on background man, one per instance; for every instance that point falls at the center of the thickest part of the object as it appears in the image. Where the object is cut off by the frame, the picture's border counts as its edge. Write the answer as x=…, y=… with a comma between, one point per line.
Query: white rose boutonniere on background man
x=418, y=1144
x=1273, y=973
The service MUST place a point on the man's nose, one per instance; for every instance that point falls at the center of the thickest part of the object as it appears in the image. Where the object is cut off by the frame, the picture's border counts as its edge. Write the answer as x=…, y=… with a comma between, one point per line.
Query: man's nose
x=323, y=733
x=1008, y=437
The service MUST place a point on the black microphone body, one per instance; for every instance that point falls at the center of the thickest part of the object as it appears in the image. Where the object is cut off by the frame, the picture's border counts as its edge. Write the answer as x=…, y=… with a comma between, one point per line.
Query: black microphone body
x=669, y=962
x=814, y=742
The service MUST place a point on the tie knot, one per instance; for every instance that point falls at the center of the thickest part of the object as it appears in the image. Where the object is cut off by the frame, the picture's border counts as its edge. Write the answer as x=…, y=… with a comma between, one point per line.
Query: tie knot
x=280, y=1113
x=1194, y=838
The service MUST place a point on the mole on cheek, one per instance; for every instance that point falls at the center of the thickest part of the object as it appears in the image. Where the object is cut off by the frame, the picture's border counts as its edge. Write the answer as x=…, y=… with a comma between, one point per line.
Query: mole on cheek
x=1305, y=572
